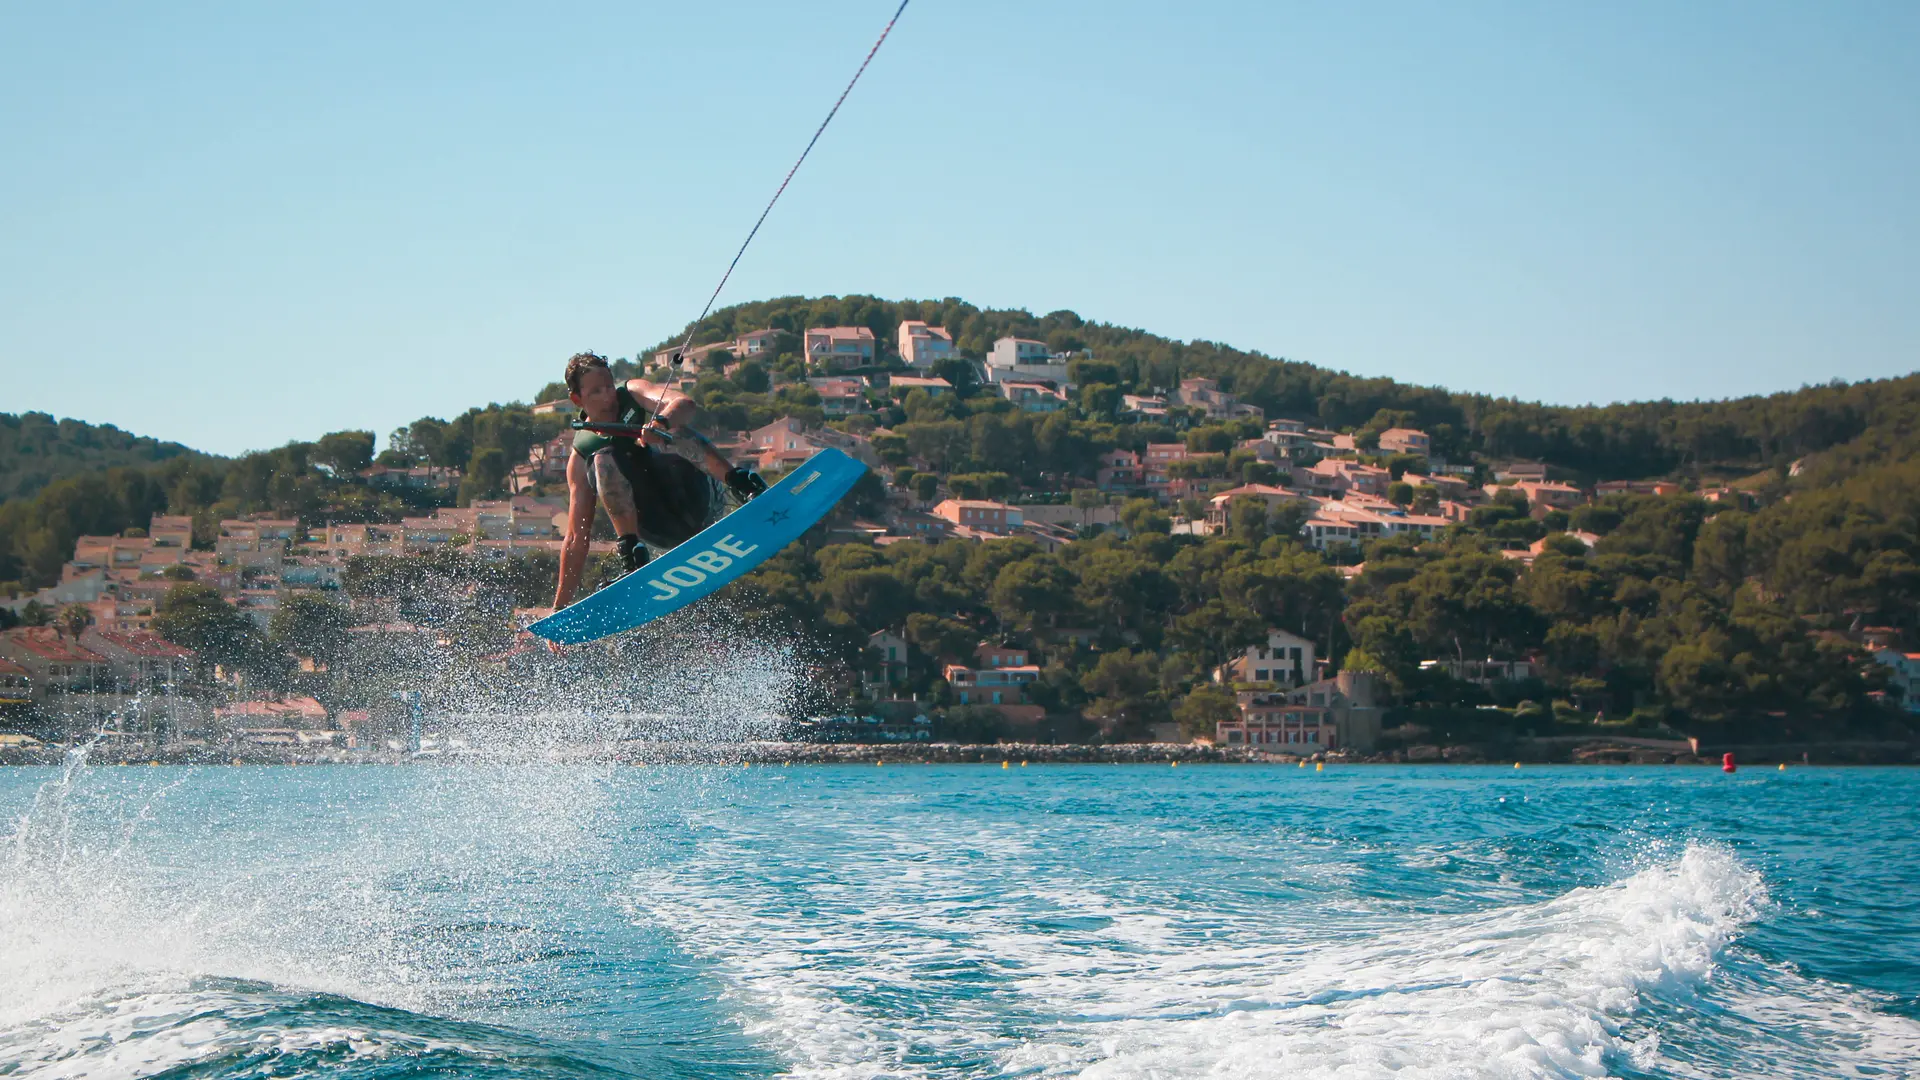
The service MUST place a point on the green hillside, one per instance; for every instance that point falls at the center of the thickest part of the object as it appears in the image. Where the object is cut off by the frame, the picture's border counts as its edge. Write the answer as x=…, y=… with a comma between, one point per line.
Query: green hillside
x=36, y=450
x=1626, y=441
x=1686, y=614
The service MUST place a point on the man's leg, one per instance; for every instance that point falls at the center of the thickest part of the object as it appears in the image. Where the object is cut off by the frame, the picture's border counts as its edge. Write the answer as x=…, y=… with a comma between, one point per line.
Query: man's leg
x=616, y=494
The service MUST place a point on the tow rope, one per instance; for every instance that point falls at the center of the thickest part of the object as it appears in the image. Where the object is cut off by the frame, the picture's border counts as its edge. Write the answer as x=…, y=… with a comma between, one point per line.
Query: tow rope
x=680, y=354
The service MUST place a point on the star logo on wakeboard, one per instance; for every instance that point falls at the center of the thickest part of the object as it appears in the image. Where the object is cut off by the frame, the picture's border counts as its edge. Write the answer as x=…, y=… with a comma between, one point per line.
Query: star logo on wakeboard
x=777, y=517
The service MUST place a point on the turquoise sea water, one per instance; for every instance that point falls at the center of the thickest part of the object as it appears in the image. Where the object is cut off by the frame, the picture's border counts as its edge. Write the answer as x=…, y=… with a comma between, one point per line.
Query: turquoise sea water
x=927, y=921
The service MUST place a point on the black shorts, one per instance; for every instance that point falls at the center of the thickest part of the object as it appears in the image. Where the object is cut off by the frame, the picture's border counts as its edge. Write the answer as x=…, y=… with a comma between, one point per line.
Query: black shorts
x=673, y=498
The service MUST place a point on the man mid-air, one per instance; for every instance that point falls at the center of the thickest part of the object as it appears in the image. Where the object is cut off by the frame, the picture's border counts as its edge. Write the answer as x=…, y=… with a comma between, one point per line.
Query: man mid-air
x=661, y=480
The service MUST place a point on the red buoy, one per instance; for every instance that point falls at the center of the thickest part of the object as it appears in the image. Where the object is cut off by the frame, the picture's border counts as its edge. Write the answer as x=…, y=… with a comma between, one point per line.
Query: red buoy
x=1726, y=762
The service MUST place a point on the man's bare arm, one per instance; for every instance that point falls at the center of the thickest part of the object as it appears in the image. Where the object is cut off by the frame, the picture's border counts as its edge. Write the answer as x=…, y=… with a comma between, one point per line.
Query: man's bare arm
x=573, y=549
x=669, y=406
x=675, y=410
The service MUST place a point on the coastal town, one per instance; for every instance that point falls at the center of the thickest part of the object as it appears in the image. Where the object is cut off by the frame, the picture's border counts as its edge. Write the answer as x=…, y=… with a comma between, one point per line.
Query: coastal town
x=89, y=659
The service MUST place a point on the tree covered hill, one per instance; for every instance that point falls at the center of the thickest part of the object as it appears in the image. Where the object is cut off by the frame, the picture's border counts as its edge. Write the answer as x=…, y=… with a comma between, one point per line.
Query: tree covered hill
x=1683, y=612
x=36, y=450
x=1622, y=441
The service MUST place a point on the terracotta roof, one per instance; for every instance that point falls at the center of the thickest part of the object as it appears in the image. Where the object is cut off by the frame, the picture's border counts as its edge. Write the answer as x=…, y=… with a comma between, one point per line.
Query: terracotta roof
x=49, y=644
x=142, y=643
x=1254, y=489
x=843, y=333
x=916, y=326
x=8, y=667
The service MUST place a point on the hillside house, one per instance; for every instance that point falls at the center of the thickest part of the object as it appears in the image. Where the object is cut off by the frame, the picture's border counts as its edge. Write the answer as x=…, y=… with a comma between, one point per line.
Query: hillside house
x=1450, y=487
x=1545, y=495
x=417, y=478
x=1284, y=660
x=1205, y=394
x=1516, y=471
x=922, y=346
x=998, y=676
x=1119, y=470
x=1350, y=700
x=1220, y=507
x=1271, y=722
x=1331, y=477
x=1025, y=360
x=1904, y=677
x=16, y=684
x=757, y=344
x=1630, y=487
x=140, y=661
x=1289, y=437
x=1405, y=441
x=1034, y=396
x=1324, y=532
x=55, y=663
x=840, y=397
x=1484, y=672
x=1154, y=464
x=980, y=515
x=839, y=348
x=546, y=464
x=1011, y=352
x=902, y=385
x=887, y=655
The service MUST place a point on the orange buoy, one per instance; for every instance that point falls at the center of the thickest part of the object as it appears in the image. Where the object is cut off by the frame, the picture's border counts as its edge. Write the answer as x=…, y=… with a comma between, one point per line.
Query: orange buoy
x=1726, y=762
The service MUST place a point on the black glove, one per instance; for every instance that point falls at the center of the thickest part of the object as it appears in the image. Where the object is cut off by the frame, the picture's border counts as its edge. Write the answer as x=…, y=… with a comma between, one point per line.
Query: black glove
x=744, y=482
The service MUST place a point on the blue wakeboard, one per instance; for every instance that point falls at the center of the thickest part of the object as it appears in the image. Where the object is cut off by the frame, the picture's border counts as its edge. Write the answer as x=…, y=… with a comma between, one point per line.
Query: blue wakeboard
x=720, y=553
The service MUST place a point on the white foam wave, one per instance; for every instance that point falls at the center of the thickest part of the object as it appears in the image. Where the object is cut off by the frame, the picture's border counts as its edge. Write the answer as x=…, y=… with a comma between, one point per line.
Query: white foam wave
x=933, y=955
x=417, y=900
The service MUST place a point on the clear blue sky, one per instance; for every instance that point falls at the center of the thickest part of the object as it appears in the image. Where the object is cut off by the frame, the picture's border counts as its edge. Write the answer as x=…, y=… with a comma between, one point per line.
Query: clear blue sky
x=234, y=225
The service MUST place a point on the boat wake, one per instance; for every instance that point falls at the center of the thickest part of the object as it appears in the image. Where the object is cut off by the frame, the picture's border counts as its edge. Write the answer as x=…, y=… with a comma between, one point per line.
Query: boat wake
x=240, y=952
x=536, y=921
x=230, y=1028
x=978, y=955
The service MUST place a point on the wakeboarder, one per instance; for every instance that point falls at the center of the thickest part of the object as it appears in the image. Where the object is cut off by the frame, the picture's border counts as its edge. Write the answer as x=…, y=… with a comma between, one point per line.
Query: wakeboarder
x=636, y=452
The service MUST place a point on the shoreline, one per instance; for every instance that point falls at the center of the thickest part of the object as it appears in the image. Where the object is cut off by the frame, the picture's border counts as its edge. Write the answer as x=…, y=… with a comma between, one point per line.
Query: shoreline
x=1561, y=751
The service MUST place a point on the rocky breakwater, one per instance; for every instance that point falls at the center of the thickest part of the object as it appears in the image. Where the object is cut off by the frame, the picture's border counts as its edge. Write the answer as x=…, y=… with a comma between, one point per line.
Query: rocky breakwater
x=994, y=753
